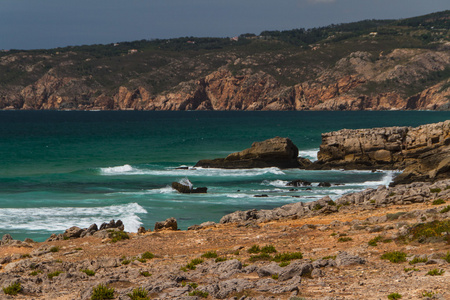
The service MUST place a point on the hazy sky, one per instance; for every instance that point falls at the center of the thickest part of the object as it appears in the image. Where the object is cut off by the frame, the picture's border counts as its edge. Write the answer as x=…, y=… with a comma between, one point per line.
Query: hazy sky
x=33, y=24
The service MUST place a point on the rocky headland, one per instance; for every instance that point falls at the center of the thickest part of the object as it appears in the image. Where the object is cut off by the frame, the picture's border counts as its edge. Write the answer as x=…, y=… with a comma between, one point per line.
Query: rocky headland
x=422, y=152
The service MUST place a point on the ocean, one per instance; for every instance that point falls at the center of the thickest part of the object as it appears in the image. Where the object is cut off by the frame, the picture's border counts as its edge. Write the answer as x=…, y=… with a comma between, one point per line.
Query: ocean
x=73, y=168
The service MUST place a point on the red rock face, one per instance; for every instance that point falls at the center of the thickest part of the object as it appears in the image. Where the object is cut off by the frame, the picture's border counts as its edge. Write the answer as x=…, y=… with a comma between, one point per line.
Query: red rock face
x=337, y=88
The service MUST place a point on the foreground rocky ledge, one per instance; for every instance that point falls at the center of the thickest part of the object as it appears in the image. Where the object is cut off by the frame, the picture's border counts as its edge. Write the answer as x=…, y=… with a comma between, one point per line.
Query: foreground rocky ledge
x=341, y=243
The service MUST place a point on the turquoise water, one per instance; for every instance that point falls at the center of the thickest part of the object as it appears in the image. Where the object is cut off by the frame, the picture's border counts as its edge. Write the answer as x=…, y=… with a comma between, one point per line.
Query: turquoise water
x=63, y=169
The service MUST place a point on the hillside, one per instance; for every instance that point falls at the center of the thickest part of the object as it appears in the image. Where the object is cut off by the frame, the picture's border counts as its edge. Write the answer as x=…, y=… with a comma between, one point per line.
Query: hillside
x=367, y=65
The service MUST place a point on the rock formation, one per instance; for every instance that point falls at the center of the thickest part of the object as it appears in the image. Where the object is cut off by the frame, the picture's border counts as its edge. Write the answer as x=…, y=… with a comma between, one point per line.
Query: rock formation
x=276, y=152
x=423, y=151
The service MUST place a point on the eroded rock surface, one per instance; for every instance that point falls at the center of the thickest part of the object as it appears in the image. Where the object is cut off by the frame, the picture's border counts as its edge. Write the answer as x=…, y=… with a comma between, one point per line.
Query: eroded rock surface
x=276, y=152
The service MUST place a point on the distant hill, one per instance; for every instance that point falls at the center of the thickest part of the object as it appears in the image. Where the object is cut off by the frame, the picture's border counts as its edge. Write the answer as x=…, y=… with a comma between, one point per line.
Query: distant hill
x=366, y=65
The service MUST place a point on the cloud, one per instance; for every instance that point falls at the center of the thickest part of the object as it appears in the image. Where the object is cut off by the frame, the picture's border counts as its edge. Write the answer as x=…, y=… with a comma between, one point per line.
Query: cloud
x=320, y=1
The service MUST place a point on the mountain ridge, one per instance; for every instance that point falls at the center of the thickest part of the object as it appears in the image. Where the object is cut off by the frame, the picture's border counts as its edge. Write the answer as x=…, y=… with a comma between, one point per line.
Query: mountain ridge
x=366, y=65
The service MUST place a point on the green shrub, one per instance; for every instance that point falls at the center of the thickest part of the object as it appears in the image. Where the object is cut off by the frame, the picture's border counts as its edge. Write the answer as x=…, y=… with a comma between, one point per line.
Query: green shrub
x=142, y=260
x=53, y=274
x=102, y=292
x=344, y=239
x=275, y=276
x=199, y=294
x=54, y=249
x=147, y=255
x=329, y=257
x=254, y=249
x=126, y=262
x=25, y=255
x=219, y=259
x=391, y=194
x=193, y=263
x=118, y=236
x=209, y=254
x=262, y=256
x=139, y=294
x=194, y=285
x=427, y=294
x=78, y=249
x=284, y=263
x=145, y=274
x=12, y=289
x=394, y=296
x=429, y=231
x=438, y=201
x=417, y=260
x=395, y=256
x=287, y=256
x=268, y=249
x=410, y=269
x=373, y=242
x=34, y=273
x=447, y=257
x=333, y=234
x=445, y=209
x=436, y=272
x=435, y=190
x=88, y=272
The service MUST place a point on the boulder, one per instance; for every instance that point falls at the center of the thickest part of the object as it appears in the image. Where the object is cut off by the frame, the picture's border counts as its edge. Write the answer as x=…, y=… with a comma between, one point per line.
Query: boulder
x=276, y=152
x=170, y=224
x=185, y=187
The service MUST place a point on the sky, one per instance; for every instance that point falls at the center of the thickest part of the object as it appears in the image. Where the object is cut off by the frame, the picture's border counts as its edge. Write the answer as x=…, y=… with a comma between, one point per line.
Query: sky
x=43, y=24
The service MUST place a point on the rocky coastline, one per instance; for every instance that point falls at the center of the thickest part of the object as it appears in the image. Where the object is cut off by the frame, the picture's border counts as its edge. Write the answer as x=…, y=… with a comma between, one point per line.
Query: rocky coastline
x=365, y=245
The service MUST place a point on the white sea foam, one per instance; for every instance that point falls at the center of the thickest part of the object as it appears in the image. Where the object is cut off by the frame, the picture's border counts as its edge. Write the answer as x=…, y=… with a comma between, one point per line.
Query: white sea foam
x=117, y=170
x=385, y=180
x=191, y=172
x=310, y=154
x=55, y=219
x=276, y=183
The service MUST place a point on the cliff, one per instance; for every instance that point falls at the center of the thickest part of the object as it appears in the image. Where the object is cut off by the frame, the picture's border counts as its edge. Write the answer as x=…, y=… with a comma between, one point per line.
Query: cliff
x=423, y=152
x=397, y=69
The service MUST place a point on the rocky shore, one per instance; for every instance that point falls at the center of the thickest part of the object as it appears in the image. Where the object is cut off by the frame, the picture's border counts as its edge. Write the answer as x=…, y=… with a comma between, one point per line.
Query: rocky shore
x=379, y=243
x=320, y=250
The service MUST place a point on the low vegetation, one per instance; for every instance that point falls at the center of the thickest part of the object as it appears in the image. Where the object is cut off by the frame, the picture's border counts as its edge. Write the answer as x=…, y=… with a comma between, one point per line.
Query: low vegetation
x=102, y=292
x=210, y=254
x=192, y=265
x=118, y=236
x=395, y=256
x=417, y=260
x=199, y=293
x=429, y=232
x=147, y=255
x=139, y=294
x=287, y=256
x=438, y=201
x=54, y=274
x=13, y=289
x=88, y=272
x=394, y=296
x=436, y=272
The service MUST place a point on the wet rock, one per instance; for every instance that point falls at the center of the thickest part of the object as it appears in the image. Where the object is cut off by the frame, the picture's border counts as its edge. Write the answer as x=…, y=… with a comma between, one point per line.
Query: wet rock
x=298, y=182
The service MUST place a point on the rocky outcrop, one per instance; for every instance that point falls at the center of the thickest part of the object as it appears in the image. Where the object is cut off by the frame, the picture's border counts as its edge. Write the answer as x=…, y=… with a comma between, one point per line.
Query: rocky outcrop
x=169, y=224
x=188, y=188
x=423, y=151
x=276, y=152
